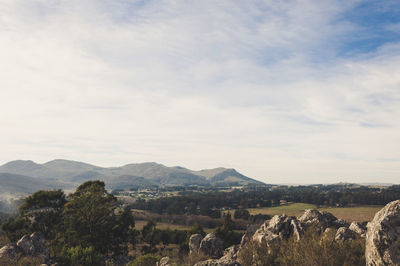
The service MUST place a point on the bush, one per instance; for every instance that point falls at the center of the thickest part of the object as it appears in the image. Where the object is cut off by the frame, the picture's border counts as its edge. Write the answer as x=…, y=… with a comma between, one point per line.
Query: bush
x=81, y=256
x=313, y=249
x=145, y=260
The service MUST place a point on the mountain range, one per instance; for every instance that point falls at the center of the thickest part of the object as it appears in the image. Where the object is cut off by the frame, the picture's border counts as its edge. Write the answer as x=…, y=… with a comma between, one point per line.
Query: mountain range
x=18, y=175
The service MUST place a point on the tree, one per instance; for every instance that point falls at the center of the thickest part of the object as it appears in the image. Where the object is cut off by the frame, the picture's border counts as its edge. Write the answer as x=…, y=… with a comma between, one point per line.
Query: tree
x=91, y=220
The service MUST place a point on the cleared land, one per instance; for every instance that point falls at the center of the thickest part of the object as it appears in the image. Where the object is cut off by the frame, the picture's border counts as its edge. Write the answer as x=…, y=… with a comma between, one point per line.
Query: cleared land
x=358, y=213
x=141, y=223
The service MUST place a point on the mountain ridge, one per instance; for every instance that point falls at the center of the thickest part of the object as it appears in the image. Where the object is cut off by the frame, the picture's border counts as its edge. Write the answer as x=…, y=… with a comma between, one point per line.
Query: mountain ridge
x=140, y=174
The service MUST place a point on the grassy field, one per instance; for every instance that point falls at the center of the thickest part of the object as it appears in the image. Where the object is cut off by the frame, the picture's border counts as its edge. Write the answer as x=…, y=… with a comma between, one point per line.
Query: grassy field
x=140, y=224
x=359, y=213
x=291, y=209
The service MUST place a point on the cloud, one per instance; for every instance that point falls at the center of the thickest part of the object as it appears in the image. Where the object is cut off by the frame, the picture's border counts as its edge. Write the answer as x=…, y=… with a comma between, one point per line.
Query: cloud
x=274, y=89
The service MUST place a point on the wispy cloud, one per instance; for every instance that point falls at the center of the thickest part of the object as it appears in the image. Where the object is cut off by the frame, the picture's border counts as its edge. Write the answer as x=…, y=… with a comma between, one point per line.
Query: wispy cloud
x=276, y=89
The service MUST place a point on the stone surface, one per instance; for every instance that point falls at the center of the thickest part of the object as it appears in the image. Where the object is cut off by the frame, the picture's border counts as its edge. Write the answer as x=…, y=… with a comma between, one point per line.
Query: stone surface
x=344, y=234
x=316, y=218
x=383, y=236
x=164, y=262
x=9, y=251
x=29, y=245
x=251, y=229
x=33, y=245
x=211, y=246
x=358, y=228
x=220, y=262
x=194, y=243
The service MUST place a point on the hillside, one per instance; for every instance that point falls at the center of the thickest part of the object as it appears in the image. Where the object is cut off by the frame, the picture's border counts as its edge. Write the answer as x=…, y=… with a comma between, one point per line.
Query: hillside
x=139, y=175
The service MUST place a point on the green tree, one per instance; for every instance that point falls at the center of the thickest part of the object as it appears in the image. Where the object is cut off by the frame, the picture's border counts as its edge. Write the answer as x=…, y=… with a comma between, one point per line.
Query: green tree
x=91, y=220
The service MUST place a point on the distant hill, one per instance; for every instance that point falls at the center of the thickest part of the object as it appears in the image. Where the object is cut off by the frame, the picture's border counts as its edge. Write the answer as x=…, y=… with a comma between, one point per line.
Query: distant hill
x=140, y=175
x=11, y=184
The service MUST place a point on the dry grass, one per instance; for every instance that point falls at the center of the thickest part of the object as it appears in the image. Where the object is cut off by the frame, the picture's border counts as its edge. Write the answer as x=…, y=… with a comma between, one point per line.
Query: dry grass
x=291, y=209
x=358, y=213
x=141, y=223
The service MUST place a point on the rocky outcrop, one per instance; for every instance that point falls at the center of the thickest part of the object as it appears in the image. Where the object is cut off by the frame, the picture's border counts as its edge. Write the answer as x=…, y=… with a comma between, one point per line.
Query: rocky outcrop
x=194, y=243
x=29, y=245
x=9, y=251
x=280, y=227
x=383, y=236
x=358, y=228
x=344, y=234
x=322, y=219
x=211, y=246
x=251, y=229
x=220, y=262
x=164, y=262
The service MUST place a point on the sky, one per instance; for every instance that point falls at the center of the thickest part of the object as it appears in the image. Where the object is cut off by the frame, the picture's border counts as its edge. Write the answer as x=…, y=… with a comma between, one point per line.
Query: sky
x=290, y=91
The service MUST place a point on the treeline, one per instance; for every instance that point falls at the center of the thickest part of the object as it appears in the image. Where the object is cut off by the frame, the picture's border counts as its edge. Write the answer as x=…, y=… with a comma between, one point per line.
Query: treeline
x=211, y=203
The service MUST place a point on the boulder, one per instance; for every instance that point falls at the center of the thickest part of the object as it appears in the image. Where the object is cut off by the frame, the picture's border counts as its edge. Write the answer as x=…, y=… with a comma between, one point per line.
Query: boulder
x=280, y=227
x=358, y=228
x=164, y=262
x=29, y=245
x=9, y=251
x=33, y=245
x=383, y=236
x=194, y=243
x=250, y=230
x=321, y=219
x=344, y=234
x=211, y=246
x=220, y=262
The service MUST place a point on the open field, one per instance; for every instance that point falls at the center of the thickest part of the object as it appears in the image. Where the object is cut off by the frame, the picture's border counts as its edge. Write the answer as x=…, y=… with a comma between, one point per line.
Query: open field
x=141, y=223
x=291, y=209
x=358, y=213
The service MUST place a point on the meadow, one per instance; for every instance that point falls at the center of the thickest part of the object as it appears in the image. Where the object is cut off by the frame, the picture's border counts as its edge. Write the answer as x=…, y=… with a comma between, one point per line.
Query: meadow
x=357, y=213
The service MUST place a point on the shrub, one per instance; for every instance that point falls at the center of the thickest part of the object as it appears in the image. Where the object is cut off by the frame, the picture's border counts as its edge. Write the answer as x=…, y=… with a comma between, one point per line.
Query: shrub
x=313, y=249
x=145, y=260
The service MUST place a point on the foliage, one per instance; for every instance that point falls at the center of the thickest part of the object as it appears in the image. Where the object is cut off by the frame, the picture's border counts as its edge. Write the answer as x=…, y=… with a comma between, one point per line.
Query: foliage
x=16, y=227
x=313, y=249
x=90, y=220
x=81, y=256
x=145, y=260
x=225, y=232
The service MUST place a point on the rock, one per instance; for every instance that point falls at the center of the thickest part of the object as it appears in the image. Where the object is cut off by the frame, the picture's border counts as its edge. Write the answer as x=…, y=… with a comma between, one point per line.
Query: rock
x=358, y=228
x=164, y=262
x=344, y=234
x=230, y=253
x=9, y=251
x=383, y=236
x=280, y=227
x=340, y=223
x=211, y=246
x=33, y=245
x=194, y=243
x=217, y=263
x=321, y=219
x=251, y=229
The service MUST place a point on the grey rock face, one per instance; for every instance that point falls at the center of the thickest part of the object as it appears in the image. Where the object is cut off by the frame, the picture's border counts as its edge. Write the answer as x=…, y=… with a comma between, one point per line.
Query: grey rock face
x=280, y=227
x=220, y=262
x=9, y=251
x=164, y=262
x=358, y=228
x=28, y=245
x=251, y=229
x=194, y=243
x=316, y=218
x=383, y=236
x=211, y=246
x=344, y=234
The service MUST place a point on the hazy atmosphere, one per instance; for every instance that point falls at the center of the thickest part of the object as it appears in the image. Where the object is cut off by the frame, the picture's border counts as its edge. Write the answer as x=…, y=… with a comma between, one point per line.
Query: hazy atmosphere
x=282, y=91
